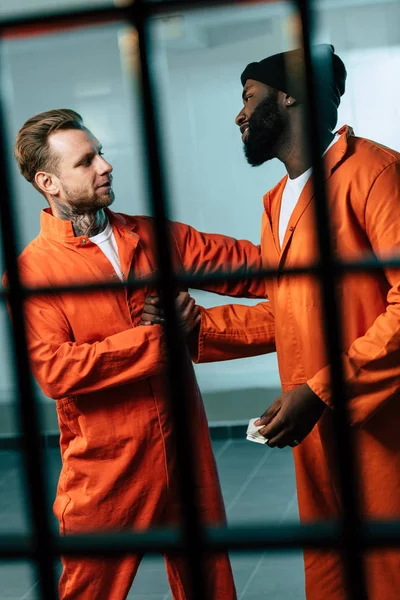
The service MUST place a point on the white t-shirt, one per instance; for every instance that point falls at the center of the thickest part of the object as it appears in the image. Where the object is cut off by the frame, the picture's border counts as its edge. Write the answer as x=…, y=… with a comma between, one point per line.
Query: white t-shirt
x=291, y=195
x=107, y=244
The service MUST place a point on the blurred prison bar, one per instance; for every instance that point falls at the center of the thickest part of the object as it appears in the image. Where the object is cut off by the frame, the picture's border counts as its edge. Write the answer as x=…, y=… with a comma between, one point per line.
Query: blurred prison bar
x=197, y=57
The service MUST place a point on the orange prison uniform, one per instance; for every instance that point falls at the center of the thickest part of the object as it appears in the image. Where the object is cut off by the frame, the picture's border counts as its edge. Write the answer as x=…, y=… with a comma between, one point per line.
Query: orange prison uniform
x=107, y=376
x=363, y=185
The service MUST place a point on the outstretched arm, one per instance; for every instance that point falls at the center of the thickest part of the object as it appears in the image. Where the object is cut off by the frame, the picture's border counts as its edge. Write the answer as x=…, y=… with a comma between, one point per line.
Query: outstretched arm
x=203, y=254
x=233, y=331
x=219, y=333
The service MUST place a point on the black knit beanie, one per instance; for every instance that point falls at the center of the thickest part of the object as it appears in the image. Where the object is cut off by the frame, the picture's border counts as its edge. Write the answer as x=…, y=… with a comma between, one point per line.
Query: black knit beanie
x=285, y=72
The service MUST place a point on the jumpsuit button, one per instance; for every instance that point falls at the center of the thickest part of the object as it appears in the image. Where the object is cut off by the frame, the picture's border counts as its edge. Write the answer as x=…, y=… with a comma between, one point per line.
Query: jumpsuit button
x=83, y=241
x=291, y=228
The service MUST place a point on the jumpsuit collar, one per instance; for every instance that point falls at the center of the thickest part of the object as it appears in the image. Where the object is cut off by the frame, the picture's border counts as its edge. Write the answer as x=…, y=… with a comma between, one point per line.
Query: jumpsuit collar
x=332, y=158
x=273, y=198
x=62, y=231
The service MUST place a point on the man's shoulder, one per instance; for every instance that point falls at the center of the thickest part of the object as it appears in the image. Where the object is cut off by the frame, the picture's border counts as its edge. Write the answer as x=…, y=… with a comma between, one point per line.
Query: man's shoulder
x=33, y=260
x=32, y=264
x=371, y=156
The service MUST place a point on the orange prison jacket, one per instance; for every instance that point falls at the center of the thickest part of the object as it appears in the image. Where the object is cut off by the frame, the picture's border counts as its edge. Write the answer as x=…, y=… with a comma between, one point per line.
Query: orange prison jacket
x=363, y=188
x=107, y=374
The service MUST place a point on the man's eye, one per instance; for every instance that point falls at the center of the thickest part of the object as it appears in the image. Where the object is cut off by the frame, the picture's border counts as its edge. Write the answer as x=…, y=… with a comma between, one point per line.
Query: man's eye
x=101, y=153
x=248, y=97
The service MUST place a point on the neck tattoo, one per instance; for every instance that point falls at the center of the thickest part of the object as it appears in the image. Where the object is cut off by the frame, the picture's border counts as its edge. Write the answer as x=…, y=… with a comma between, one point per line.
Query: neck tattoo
x=87, y=224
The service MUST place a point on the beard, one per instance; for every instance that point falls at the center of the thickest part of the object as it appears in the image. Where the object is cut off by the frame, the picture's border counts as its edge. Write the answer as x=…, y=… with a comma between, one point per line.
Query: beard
x=84, y=201
x=266, y=126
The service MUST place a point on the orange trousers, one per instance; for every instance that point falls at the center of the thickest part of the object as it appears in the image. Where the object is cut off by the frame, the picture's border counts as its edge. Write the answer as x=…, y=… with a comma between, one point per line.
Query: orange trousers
x=112, y=578
x=376, y=445
x=120, y=473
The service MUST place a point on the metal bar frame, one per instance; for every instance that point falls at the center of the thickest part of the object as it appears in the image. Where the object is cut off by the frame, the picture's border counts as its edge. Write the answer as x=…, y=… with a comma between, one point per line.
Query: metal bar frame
x=353, y=564
x=28, y=409
x=349, y=536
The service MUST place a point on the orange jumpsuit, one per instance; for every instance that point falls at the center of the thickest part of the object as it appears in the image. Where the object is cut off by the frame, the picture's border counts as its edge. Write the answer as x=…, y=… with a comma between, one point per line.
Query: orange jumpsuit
x=107, y=375
x=363, y=185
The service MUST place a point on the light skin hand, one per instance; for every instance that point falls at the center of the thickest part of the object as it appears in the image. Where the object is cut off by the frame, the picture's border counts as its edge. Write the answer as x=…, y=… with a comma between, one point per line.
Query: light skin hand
x=188, y=312
x=291, y=417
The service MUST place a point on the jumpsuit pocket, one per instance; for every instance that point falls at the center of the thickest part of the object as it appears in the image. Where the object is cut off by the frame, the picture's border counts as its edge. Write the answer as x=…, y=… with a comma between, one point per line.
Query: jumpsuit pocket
x=107, y=420
x=60, y=507
x=69, y=415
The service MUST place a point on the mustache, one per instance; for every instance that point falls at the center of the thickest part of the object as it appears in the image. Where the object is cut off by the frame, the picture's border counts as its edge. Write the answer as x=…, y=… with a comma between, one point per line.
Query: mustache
x=107, y=181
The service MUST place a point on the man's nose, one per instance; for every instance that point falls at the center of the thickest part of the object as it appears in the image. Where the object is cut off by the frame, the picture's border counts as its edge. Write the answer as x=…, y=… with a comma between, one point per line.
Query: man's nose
x=241, y=118
x=104, y=166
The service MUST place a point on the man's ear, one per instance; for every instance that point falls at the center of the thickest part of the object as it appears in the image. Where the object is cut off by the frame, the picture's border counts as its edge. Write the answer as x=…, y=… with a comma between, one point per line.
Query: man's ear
x=47, y=183
x=289, y=101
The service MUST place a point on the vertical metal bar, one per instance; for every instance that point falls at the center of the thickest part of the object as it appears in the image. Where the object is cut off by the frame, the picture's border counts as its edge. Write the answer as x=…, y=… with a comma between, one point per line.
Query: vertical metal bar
x=27, y=407
x=178, y=374
x=351, y=524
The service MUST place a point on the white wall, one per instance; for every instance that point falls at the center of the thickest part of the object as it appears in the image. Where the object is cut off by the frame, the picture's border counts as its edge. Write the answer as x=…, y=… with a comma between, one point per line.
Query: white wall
x=210, y=184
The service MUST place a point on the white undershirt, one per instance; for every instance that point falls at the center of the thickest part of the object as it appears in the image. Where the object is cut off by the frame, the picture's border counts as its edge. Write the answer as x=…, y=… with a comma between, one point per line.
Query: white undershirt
x=107, y=244
x=291, y=195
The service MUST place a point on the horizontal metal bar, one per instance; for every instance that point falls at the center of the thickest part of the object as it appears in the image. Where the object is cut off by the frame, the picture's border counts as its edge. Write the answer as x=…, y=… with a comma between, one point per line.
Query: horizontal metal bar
x=187, y=281
x=240, y=538
x=65, y=17
x=201, y=281
x=78, y=16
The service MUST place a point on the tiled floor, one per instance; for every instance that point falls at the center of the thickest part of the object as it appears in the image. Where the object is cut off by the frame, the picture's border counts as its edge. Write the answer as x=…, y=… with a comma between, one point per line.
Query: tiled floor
x=258, y=486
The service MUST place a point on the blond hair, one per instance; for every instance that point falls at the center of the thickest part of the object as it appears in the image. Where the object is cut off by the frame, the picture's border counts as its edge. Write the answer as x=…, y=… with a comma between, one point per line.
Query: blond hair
x=32, y=151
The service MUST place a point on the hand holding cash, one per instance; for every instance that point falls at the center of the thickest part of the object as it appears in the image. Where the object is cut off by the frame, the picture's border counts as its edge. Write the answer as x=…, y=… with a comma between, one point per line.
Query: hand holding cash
x=252, y=433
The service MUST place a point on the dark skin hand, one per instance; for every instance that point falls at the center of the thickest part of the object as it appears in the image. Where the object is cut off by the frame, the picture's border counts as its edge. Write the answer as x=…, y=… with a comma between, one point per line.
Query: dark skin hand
x=291, y=417
x=187, y=310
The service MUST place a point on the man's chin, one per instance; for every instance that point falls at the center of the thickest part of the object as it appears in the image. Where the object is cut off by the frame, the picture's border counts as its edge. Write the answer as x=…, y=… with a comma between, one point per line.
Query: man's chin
x=106, y=199
x=256, y=159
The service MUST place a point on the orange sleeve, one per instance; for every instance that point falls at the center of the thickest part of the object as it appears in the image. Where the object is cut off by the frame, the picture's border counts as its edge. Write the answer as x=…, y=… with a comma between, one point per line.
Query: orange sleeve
x=63, y=367
x=371, y=365
x=211, y=253
x=234, y=331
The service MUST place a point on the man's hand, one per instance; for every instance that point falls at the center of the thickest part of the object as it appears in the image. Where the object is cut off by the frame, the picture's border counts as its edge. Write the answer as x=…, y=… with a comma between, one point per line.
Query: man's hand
x=188, y=312
x=153, y=313
x=291, y=417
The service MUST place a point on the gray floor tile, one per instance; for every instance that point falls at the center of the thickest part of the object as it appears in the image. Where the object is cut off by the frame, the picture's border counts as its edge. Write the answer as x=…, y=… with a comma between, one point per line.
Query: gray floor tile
x=279, y=576
x=16, y=580
x=151, y=578
x=243, y=566
x=145, y=596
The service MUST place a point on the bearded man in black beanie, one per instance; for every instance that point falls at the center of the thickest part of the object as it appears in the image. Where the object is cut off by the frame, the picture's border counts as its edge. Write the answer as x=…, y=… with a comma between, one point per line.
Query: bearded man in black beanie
x=363, y=189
